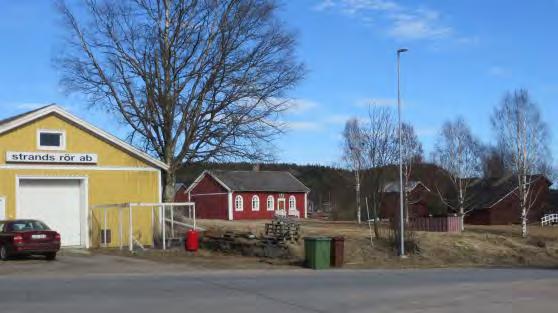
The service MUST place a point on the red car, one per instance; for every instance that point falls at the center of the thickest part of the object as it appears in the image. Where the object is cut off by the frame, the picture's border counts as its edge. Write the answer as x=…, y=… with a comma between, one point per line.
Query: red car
x=27, y=237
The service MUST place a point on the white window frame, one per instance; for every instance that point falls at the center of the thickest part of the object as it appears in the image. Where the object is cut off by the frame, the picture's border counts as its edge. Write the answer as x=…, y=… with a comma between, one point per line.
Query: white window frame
x=270, y=200
x=255, y=203
x=62, y=134
x=292, y=203
x=238, y=203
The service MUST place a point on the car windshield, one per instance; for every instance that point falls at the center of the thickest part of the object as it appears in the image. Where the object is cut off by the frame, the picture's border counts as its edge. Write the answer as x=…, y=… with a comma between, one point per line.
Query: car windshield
x=28, y=225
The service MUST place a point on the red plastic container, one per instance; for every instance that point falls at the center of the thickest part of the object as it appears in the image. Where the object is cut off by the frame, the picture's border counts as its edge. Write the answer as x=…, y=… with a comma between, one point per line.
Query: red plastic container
x=192, y=240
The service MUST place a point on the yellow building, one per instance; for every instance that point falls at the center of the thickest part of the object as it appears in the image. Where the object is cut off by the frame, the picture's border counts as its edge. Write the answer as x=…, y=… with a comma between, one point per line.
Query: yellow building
x=56, y=168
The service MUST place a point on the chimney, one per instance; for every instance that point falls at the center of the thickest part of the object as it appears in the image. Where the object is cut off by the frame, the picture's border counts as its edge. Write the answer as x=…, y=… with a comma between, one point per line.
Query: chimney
x=256, y=167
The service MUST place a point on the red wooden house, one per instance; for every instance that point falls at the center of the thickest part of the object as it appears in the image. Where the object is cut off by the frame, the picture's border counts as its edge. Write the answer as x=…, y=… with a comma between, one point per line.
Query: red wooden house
x=237, y=195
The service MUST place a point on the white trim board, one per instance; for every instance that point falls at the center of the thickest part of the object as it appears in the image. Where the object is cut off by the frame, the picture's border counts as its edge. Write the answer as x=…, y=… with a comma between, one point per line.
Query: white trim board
x=78, y=168
x=202, y=175
x=3, y=208
x=26, y=118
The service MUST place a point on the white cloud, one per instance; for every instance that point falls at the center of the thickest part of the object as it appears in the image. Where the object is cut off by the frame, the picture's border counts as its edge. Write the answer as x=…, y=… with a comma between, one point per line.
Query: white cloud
x=299, y=106
x=324, y=5
x=303, y=125
x=401, y=22
x=423, y=24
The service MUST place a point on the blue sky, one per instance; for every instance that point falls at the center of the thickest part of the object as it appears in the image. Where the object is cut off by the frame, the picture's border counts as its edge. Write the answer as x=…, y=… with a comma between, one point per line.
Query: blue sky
x=464, y=54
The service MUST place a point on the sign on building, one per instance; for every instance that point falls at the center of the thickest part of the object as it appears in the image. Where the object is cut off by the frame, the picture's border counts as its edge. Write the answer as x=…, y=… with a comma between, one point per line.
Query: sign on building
x=51, y=157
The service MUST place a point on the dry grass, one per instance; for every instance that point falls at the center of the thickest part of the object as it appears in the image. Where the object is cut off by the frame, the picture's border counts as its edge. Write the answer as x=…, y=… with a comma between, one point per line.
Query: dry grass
x=477, y=246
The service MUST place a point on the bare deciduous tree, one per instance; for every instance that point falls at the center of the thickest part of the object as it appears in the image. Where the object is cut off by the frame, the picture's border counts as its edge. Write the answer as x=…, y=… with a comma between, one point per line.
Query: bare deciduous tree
x=353, y=155
x=494, y=162
x=412, y=154
x=195, y=80
x=524, y=136
x=381, y=151
x=458, y=152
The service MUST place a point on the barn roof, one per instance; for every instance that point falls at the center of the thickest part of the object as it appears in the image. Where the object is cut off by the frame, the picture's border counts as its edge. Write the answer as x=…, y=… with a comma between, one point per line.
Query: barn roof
x=394, y=186
x=484, y=193
x=275, y=181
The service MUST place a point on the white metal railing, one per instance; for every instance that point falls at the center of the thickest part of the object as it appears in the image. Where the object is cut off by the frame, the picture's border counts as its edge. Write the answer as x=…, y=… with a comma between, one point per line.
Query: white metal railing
x=130, y=207
x=549, y=219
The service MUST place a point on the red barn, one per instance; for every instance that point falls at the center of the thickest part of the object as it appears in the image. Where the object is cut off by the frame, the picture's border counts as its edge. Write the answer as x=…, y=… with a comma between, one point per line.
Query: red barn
x=237, y=195
x=495, y=201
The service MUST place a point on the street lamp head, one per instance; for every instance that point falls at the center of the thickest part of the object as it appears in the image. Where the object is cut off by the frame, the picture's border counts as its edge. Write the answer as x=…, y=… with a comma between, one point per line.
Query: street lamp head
x=402, y=50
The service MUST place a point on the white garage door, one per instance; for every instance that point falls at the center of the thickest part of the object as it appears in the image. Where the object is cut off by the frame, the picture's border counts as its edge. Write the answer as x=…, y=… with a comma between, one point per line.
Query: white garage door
x=57, y=202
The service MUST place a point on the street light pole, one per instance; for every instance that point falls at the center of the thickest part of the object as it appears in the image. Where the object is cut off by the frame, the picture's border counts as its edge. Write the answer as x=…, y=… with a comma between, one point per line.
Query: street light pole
x=401, y=219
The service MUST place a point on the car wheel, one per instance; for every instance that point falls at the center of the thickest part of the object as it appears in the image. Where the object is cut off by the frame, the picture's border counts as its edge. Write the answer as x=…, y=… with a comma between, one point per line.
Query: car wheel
x=50, y=256
x=4, y=256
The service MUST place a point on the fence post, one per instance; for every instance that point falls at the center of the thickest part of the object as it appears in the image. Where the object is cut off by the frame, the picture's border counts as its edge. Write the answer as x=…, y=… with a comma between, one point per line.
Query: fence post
x=164, y=230
x=172, y=220
x=105, y=228
x=131, y=230
x=120, y=235
x=152, y=226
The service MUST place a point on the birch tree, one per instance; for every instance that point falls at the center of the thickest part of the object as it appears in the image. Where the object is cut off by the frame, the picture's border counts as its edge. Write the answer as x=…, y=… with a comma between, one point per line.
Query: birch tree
x=353, y=155
x=195, y=80
x=523, y=134
x=458, y=152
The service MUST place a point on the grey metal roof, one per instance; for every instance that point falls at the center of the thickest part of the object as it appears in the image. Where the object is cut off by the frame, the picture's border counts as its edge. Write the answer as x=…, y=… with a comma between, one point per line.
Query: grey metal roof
x=394, y=186
x=277, y=181
x=484, y=193
x=177, y=187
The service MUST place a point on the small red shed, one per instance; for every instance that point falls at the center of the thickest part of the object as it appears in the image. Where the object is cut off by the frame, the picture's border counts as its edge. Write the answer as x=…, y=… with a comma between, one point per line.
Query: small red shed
x=180, y=193
x=237, y=195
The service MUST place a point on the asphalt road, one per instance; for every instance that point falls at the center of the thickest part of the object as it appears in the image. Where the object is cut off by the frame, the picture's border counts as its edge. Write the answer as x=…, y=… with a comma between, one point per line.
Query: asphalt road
x=461, y=290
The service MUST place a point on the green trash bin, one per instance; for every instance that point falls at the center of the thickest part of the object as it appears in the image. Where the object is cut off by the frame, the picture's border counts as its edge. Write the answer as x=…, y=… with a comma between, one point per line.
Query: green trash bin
x=317, y=252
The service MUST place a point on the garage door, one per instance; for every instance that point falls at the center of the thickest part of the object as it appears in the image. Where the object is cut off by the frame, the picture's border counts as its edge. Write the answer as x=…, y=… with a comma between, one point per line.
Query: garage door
x=57, y=202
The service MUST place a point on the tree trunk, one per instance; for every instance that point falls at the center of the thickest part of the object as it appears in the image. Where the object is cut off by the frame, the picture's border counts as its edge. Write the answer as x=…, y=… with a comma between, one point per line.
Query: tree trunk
x=376, y=230
x=523, y=222
x=523, y=204
x=406, y=204
x=168, y=187
x=461, y=209
x=357, y=177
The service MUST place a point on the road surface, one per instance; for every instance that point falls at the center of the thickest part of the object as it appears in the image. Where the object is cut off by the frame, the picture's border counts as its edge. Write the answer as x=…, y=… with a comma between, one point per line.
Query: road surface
x=457, y=290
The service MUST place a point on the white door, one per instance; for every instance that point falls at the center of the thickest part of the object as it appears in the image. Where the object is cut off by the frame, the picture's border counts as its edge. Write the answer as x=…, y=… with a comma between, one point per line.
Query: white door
x=56, y=202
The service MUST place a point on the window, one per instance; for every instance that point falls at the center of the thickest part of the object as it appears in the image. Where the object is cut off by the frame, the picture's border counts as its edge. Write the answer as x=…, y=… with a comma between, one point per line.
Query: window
x=51, y=140
x=238, y=203
x=255, y=203
x=270, y=203
x=292, y=203
x=27, y=226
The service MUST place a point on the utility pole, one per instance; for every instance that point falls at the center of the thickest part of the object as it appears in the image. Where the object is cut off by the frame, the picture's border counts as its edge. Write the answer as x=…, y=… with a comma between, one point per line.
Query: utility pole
x=401, y=188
